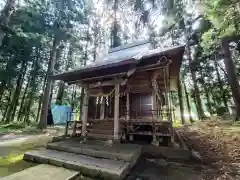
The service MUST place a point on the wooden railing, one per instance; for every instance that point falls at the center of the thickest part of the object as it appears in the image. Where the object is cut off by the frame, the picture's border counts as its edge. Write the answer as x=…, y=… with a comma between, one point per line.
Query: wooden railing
x=134, y=126
x=153, y=115
x=146, y=123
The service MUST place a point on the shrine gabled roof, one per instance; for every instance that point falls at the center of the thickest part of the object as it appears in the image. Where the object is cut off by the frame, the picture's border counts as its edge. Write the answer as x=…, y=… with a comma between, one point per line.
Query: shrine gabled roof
x=119, y=59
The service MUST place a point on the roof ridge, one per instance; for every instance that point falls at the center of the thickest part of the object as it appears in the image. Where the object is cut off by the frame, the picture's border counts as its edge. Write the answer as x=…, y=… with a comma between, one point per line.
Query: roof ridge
x=126, y=46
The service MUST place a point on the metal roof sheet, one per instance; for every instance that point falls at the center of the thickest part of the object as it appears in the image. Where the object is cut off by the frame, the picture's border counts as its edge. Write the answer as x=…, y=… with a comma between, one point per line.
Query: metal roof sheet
x=133, y=53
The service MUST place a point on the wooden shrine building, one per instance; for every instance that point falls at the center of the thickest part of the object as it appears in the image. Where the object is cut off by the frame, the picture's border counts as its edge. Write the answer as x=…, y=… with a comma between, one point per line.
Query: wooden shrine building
x=126, y=93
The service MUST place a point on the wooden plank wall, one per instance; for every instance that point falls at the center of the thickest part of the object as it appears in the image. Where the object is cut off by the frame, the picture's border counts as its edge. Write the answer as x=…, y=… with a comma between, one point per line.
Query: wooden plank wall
x=140, y=82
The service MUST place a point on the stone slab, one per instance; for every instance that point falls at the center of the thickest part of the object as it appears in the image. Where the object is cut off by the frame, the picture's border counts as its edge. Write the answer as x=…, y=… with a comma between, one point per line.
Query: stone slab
x=89, y=166
x=126, y=152
x=43, y=172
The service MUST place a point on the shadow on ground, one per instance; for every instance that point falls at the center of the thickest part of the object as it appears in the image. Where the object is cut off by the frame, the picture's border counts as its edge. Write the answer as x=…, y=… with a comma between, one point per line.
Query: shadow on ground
x=160, y=169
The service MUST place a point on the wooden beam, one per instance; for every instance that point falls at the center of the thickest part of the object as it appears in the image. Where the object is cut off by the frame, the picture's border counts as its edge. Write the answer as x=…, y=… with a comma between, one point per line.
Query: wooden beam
x=116, y=112
x=85, y=111
x=154, y=67
x=101, y=84
x=131, y=72
x=108, y=83
x=95, y=78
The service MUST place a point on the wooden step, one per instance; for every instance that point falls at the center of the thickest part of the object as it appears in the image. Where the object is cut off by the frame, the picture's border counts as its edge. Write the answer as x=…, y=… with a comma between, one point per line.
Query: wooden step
x=148, y=133
x=101, y=131
x=99, y=136
x=99, y=120
x=86, y=165
x=107, y=124
x=103, y=122
x=102, y=127
x=43, y=172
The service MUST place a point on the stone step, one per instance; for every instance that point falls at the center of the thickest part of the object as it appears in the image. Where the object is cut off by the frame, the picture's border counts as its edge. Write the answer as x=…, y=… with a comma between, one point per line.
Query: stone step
x=129, y=153
x=43, y=172
x=86, y=165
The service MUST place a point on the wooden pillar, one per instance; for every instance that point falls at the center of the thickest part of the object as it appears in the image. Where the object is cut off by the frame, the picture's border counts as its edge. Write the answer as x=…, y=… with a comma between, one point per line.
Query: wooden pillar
x=154, y=112
x=85, y=111
x=154, y=104
x=166, y=83
x=154, y=94
x=128, y=106
x=116, y=112
x=102, y=109
x=158, y=108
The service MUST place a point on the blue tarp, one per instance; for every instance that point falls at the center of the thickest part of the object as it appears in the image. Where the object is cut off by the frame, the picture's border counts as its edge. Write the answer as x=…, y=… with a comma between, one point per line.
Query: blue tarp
x=61, y=114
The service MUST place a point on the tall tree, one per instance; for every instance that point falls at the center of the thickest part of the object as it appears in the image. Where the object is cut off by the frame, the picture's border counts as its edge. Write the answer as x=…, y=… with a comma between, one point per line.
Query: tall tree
x=180, y=97
x=85, y=58
x=65, y=13
x=196, y=91
x=188, y=103
x=48, y=87
x=220, y=82
x=60, y=93
x=5, y=17
x=225, y=19
x=232, y=75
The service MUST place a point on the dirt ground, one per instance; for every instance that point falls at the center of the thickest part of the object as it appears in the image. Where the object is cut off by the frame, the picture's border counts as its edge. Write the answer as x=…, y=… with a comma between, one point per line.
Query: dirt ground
x=160, y=169
x=218, y=143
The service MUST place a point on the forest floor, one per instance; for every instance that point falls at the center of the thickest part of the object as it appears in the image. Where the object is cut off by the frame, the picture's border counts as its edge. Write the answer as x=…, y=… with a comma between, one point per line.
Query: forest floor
x=218, y=143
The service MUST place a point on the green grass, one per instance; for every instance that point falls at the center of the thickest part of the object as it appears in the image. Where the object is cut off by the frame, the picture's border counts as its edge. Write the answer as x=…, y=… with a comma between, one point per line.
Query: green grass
x=19, y=128
x=177, y=124
x=13, y=126
x=5, y=128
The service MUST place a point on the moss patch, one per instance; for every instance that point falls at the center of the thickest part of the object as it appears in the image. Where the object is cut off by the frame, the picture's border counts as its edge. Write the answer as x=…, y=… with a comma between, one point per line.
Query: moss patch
x=12, y=161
